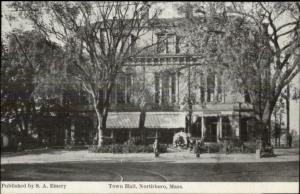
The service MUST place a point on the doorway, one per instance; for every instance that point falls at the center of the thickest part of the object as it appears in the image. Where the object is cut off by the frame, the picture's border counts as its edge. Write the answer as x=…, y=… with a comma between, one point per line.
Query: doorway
x=211, y=129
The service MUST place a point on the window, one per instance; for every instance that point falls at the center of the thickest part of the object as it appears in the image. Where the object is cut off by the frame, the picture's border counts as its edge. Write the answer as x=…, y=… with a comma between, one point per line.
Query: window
x=178, y=44
x=128, y=88
x=171, y=44
x=165, y=88
x=210, y=87
x=173, y=88
x=133, y=40
x=202, y=87
x=167, y=43
x=161, y=44
x=121, y=93
x=157, y=88
x=121, y=90
x=219, y=96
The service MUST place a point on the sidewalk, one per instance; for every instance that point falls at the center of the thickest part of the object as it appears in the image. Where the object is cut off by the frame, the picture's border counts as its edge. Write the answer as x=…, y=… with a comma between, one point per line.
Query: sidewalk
x=49, y=156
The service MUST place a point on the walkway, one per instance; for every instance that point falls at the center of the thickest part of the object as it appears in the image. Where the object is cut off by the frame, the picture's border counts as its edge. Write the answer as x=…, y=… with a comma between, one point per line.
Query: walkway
x=48, y=156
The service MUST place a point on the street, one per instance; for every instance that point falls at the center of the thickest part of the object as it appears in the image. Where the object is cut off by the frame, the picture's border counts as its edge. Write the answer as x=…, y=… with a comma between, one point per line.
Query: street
x=152, y=171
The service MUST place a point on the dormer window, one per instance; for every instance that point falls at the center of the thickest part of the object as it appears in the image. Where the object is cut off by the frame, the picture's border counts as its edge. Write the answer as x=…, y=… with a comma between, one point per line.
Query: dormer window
x=167, y=44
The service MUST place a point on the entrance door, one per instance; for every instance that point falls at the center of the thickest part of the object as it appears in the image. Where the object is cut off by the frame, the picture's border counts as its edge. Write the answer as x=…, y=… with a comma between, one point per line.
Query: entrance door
x=211, y=132
x=121, y=136
x=196, y=128
x=244, y=129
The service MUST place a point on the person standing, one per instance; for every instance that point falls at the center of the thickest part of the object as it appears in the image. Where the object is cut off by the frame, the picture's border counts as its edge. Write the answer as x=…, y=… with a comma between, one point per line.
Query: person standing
x=198, y=148
x=289, y=139
x=156, y=148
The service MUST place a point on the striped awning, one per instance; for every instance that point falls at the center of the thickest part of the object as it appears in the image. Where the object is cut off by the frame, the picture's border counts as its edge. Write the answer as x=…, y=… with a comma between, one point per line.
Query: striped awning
x=170, y=120
x=119, y=120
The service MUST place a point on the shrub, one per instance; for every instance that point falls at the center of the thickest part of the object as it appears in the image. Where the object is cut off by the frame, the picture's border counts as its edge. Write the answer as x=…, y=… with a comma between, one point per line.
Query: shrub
x=133, y=141
x=238, y=146
x=249, y=147
x=229, y=146
x=126, y=148
x=212, y=148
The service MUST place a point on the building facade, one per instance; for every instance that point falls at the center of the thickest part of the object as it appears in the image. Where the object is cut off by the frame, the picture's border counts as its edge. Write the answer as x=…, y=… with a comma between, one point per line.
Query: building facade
x=168, y=89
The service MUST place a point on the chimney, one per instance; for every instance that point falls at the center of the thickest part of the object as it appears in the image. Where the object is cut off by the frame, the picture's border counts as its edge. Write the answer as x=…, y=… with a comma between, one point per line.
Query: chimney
x=188, y=10
x=265, y=28
x=145, y=13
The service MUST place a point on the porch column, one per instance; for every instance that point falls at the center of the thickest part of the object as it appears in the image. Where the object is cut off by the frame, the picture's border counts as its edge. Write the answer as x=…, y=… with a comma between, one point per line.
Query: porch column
x=219, y=128
x=237, y=125
x=129, y=134
x=177, y=87
x=203, y=127
x=112, y=134
x=156, y=133
x=67, y=137
x=72, y=133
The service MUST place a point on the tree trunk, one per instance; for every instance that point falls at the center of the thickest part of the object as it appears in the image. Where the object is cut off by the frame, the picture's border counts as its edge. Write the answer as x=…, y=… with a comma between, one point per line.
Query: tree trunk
x=142, y=124
x=99, y=128
x=265, y=120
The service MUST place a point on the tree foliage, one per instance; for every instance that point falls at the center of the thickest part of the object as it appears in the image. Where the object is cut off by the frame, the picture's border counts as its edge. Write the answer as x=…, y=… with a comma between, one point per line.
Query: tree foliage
x=27, y=58
x=256, y=43
x=99, y=38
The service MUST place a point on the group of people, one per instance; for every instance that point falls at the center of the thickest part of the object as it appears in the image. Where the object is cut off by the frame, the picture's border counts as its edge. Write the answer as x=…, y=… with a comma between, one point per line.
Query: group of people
x=195, y=144
x=192, y=144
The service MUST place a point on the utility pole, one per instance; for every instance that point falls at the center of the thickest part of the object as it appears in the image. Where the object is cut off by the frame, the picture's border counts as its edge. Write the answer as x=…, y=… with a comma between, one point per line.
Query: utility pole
x=287, y=108
x=280, y=119
x=240, y=124
x=190, y=105
x=275, y=126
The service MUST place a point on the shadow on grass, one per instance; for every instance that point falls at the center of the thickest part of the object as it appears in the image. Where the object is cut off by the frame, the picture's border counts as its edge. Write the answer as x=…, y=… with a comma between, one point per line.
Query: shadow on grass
x=206, y=172
x=52, y=150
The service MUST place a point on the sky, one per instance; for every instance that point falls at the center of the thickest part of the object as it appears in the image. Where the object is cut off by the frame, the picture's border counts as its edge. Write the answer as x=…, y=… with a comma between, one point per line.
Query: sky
x=168, y=11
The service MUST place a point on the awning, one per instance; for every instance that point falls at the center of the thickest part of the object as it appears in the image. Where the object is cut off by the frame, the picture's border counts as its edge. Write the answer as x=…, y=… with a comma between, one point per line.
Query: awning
x=212, y=113
x=169, y=120
x=119, y=120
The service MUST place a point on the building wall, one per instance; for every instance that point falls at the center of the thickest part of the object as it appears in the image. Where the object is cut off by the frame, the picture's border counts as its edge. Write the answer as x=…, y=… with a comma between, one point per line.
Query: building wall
x=163, y=82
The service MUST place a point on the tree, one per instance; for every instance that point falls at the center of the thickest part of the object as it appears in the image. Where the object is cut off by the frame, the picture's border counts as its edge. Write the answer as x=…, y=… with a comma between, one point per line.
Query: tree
x=142, y=98
x=100, y=37
x=250, y=42
x=27, y=58
x=278, y=55
x=278, y=111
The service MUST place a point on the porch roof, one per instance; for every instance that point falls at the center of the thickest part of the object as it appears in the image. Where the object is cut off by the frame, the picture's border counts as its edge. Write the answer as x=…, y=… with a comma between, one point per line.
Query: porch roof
x=118, y=120
x=170, y=120
x=153, y=120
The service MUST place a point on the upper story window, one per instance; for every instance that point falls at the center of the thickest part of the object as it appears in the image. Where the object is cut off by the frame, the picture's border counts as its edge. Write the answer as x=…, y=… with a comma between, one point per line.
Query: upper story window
x=210, y=87
x=121, y=93
x=165, y=88
x=214, y=87
x=167, y=43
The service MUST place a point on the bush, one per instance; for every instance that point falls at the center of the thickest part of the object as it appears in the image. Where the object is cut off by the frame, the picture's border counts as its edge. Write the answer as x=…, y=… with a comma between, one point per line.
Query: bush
x=126, y=148
x=249, y=147
x=212, y=148
x=229, y=146
x=238, y=146
x=133, y=141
